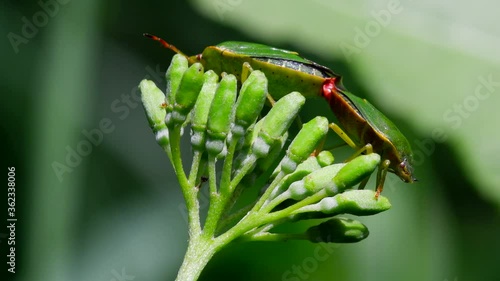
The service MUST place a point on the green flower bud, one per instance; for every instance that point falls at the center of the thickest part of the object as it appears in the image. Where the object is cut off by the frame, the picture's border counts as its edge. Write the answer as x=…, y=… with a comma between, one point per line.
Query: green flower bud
x=262, y=166
x=174, y=74
x=304, y=143
x=305, y=168
x=355, y=171
x=310, y=165
x=246, y=145
x=188, y=92
x=325, y=158
x=315, y=181
x=252, y=134
x=275, y=151
x=354, y=202
x=338, y=230
x=221, y=114
x=201, y=109
x=250, y=102
x=277, y=121
x=152, y=101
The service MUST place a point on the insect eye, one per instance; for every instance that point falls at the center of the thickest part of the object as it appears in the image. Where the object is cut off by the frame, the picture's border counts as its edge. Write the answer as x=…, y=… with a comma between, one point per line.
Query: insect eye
x=406, y=167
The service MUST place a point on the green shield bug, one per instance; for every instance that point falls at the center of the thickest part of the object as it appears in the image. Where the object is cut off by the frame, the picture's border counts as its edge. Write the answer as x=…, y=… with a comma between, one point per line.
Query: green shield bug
x=364, y=127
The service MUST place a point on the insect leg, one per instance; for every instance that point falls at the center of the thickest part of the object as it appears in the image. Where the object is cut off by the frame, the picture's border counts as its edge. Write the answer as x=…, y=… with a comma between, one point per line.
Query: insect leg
x=381, y=173
x=342, y=135
x=363, y=183
x=367, y=148
x=245, y=71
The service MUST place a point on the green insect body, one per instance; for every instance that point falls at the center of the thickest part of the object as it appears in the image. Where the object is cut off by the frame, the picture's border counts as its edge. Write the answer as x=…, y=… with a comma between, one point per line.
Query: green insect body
x=286, y=71
x=365, y=127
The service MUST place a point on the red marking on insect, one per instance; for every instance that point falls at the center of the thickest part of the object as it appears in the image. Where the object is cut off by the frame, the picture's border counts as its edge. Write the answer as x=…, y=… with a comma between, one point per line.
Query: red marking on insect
x=329, y=88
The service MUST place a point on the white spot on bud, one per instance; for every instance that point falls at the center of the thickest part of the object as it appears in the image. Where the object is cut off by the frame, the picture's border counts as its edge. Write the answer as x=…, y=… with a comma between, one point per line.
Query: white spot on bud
x=260, y=148
x=288, y=165
x=328, y=205
x=297, y=190
x=163, y=133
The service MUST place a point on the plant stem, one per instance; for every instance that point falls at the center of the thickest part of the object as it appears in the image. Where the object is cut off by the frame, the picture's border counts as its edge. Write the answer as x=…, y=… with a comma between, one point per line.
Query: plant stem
x=272, y=237
x=188, y=190
x=217, y=207
x=200, y=250
x=194, y=167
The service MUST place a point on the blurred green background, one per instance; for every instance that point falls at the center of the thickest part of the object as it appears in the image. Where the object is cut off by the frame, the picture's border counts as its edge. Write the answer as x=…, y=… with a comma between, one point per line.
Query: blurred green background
x=115, y=212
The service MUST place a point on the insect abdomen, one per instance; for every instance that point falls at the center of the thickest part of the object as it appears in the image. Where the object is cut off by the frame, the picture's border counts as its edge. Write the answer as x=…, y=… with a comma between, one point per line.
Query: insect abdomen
x=297, y=66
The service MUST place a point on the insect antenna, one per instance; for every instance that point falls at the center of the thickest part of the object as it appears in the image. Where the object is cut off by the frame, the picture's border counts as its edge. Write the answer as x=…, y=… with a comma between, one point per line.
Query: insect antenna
x=166, y=44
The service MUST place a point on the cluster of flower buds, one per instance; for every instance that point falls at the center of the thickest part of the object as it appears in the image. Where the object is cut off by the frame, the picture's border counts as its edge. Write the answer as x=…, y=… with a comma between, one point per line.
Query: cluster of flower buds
x=289, y=183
